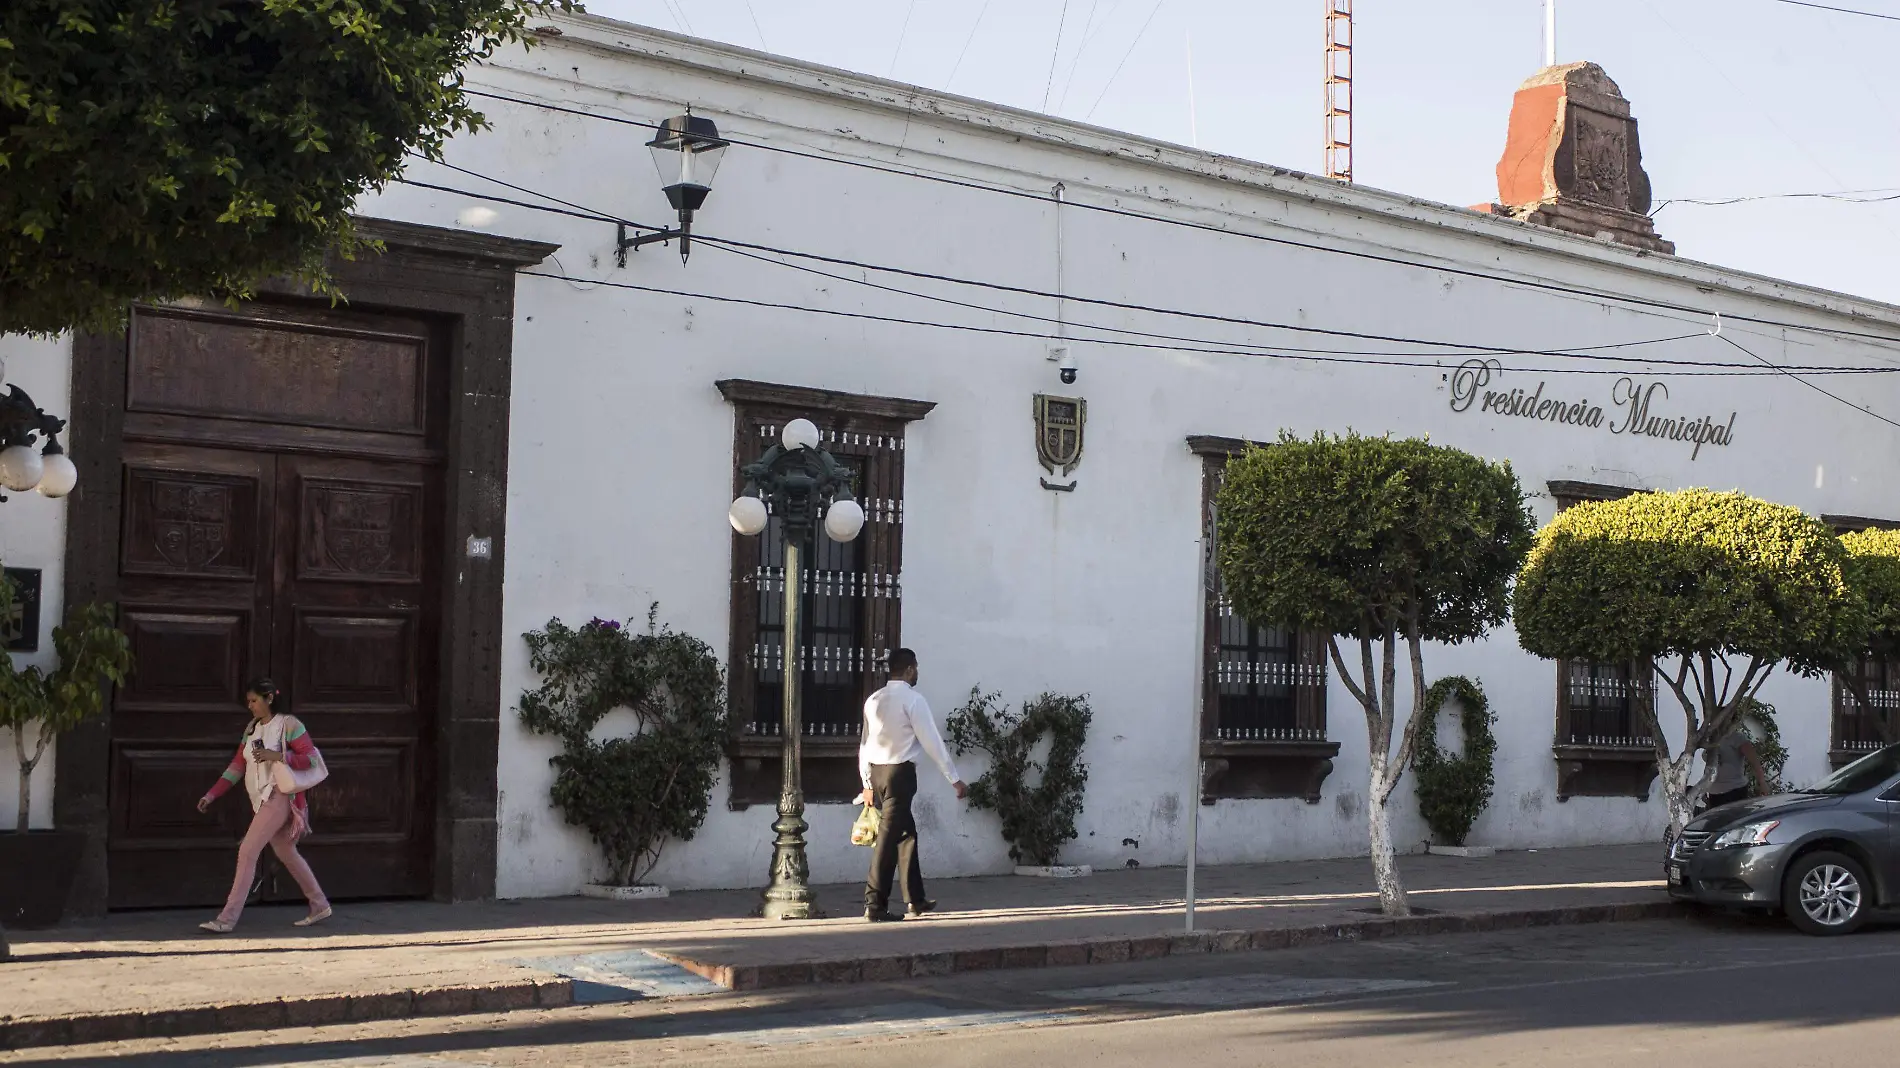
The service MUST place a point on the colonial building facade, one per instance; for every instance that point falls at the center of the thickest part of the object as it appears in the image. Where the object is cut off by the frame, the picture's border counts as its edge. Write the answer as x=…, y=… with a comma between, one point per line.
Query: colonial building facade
x=373, y=503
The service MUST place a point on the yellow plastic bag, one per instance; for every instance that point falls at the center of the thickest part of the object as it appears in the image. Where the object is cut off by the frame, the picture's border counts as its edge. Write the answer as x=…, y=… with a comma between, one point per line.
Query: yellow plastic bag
x=864, y=830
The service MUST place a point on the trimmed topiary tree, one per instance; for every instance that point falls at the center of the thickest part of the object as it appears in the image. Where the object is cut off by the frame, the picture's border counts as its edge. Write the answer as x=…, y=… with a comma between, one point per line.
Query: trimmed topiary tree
x=1453, y=790
x=177, y=148
x=1384, y=542
x=1039, y=819
x=632, y=795
x=1712, y=590
x=1873, y=569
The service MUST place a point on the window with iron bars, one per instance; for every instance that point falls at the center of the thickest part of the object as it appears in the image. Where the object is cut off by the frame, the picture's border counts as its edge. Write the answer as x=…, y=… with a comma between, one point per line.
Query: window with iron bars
x=1856, y=729
x=852, y=595
x=1599, y=704
x=1263, y=684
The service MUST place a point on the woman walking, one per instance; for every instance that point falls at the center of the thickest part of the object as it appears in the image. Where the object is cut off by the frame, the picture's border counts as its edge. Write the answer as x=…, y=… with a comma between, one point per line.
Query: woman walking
x=272, y=737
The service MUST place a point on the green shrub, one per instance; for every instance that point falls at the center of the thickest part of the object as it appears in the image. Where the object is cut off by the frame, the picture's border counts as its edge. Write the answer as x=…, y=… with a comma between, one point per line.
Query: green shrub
x=1037, y=820
x=630, y=794
x=1453, y=790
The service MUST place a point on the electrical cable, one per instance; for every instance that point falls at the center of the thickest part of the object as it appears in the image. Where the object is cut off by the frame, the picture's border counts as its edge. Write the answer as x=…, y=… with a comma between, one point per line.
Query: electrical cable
x=1585, y=352
x=1206, y=351
x=1841, y=10
x=1525, y=283
x=1823, y=392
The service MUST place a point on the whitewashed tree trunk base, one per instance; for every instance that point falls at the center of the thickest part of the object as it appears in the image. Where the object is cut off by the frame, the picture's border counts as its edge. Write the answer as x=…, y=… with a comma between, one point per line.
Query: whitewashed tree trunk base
x=624, y=893
x=1054, y=871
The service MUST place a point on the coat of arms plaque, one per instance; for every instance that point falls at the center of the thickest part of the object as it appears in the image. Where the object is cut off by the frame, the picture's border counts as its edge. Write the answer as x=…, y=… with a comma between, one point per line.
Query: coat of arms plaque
x=1059, y=422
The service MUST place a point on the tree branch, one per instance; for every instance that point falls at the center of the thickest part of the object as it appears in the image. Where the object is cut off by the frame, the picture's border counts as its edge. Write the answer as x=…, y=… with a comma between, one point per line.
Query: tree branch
x=1408, y=738
x=1345, y=676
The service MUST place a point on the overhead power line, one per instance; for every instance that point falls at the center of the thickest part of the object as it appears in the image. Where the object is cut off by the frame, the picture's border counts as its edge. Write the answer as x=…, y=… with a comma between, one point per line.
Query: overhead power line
x=1460, y=349
x=1849, y=196
x=1041, y=198
x=772, y=305
x=1823, y=392
x=1192, y=344
x=1840, y=10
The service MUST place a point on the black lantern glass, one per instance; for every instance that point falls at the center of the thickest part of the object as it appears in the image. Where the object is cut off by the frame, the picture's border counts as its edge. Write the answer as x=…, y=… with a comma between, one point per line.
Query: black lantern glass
x=687, y=151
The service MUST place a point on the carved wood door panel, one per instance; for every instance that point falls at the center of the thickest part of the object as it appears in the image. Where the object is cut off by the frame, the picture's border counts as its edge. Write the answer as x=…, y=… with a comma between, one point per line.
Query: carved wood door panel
x=282, y=514
x=354, y=640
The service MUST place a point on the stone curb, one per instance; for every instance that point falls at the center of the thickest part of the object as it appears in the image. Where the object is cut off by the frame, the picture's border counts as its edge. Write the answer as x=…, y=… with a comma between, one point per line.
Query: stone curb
x=745, y=977
x=552, y=993
x=78, y=1029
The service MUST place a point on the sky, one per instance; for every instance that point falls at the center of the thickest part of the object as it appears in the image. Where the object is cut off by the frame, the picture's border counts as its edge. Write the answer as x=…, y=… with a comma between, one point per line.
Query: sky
x=1735, y=98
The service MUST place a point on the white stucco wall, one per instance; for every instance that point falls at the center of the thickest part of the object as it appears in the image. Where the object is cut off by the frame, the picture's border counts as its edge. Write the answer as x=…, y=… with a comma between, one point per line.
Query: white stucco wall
x=33, y=534
x=621, y=458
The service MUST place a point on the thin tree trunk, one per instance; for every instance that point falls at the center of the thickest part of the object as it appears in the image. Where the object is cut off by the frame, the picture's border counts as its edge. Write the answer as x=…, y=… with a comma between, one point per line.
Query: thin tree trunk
x=26, y=777
x=1385, y=869
x=1374, y=689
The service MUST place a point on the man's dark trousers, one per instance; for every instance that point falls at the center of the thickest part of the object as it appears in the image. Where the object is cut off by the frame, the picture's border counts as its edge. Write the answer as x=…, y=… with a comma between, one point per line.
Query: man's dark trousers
x=892, y=788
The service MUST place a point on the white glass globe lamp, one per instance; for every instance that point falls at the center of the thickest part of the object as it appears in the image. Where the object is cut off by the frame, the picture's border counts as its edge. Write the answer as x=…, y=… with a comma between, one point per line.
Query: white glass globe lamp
x=844, y=519
x=20, y=468
x=748, y=515
x=59, y=474
x=800, y=434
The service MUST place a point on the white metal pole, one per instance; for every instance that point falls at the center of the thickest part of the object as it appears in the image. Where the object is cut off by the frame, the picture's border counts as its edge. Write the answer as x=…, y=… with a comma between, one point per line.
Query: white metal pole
x=1550, y=33
x=1205, y=563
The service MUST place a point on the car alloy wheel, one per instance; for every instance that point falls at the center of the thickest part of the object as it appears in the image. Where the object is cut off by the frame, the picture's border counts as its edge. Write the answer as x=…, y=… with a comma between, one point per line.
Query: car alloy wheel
x=1830, y=895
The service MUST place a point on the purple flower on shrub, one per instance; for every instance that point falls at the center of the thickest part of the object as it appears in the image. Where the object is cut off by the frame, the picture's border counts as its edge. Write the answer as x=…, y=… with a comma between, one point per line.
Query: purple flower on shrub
x=605, y=624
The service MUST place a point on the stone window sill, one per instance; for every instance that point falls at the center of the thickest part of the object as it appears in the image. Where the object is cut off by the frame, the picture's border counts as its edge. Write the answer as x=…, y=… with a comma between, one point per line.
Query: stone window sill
x=1247, y=770
x=1604, y=771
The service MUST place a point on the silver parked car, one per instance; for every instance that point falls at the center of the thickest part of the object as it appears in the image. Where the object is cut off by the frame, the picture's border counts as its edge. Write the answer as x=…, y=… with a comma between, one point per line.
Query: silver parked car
x=1828, y=856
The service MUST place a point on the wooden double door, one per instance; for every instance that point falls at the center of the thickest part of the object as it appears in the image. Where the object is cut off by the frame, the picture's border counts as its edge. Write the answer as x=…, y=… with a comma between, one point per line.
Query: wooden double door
x=281, y=516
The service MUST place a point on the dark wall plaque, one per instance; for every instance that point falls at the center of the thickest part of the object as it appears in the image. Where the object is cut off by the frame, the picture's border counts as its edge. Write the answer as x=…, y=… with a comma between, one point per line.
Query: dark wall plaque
x=20, y=627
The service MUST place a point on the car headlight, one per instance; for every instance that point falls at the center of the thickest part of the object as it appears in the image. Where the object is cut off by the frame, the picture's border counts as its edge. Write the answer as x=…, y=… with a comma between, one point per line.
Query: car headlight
x=1748, y=834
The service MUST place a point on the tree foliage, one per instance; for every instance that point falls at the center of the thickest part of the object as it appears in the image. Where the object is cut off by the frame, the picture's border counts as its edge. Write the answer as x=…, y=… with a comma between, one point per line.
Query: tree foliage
x=1725, y=585
x=1453, y=789
x=153, y=149
x=92, y=653
x=1039, y=818
x=1363, y=536
x=1873, y=570
x=630, y=794
x=1386, y=542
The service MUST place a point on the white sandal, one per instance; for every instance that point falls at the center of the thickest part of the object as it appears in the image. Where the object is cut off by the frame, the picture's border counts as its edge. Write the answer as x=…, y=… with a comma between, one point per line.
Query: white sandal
x=314, y=918
x=217, y=927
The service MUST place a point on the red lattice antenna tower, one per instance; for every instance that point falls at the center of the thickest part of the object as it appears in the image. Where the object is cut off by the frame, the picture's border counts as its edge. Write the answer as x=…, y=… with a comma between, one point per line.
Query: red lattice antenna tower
x=1339, y=90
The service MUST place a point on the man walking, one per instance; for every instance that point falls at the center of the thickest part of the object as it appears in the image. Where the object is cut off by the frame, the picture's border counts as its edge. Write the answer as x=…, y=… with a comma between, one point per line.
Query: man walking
x=898, y=729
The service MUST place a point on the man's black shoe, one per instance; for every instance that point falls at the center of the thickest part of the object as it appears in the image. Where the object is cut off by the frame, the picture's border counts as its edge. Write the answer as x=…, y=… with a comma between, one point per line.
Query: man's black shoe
x=918, y=908
x=875, y=916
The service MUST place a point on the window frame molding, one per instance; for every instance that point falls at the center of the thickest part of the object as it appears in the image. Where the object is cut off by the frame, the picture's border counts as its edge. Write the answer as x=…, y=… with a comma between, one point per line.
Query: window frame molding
x=1591, y=769
x=1249, y=769
x=1839, y=752
x=863, y=423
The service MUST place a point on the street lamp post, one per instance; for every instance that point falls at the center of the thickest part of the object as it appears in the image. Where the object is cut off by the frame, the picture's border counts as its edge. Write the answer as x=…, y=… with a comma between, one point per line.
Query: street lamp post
x=805, y=487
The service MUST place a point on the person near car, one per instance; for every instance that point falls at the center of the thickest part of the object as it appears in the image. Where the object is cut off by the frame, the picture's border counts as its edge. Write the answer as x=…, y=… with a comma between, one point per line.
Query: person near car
x=898, y=729
x=1733, y=760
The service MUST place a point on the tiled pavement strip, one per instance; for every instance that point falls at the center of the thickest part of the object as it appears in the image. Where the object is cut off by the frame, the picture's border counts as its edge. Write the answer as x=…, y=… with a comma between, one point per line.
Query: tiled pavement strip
x=154, y=974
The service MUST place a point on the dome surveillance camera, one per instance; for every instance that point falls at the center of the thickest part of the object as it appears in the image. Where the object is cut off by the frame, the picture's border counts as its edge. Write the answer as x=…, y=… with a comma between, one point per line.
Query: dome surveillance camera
x=1067, y=367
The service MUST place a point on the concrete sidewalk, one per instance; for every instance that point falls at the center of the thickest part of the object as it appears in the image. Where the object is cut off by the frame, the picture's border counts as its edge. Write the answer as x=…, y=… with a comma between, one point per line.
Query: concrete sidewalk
x=154, y=973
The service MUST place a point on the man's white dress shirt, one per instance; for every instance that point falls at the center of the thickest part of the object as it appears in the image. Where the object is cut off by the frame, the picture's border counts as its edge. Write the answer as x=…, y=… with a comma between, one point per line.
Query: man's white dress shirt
x=898, y=728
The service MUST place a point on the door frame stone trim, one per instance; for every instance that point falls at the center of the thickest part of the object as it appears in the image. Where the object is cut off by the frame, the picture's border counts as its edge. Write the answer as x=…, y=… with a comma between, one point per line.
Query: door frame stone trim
x=467, y=280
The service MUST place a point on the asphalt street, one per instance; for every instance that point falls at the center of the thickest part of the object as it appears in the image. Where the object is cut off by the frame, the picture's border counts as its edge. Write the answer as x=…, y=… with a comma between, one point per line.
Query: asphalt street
x=1717, y=991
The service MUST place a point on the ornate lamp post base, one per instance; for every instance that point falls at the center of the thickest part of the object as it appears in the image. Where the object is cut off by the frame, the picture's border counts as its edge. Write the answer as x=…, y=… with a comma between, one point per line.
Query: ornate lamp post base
x=790, y=897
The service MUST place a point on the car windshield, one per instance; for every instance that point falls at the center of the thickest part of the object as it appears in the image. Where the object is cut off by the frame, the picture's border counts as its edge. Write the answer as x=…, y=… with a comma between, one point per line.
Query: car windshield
x=1863, y=774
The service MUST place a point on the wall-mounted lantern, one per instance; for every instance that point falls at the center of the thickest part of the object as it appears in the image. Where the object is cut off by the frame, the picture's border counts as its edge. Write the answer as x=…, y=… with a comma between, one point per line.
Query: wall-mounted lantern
x=687, y=151
x=22, y=466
